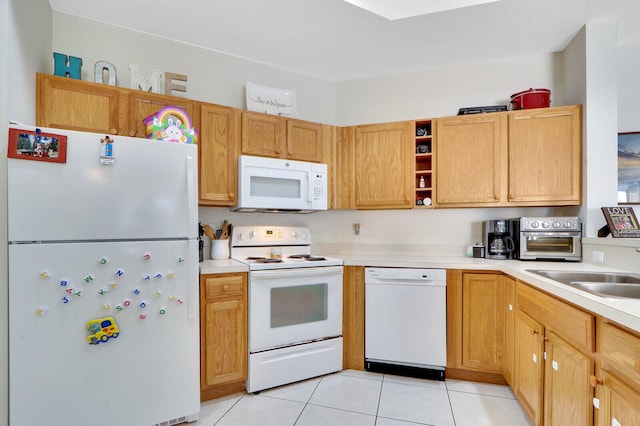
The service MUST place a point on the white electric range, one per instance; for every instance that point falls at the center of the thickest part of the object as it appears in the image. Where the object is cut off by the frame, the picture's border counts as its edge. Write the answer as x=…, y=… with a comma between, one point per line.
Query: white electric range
x=295, y=305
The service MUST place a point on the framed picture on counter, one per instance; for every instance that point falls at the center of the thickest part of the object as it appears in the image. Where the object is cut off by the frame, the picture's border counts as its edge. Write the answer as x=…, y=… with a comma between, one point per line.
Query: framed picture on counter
x=35, y=145
x=629, y=168
x=622, y=222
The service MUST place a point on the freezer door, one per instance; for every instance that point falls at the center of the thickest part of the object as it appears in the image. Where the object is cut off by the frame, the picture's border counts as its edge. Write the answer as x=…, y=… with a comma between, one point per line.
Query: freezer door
x=103, y=334
x=150, y=191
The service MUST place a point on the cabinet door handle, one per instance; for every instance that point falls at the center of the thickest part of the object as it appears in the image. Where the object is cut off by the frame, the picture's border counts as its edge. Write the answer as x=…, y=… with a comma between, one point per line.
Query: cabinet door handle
x=636, y=366
x=113, y=131
x=225, y=287
x=132, y=133
x=594, y=381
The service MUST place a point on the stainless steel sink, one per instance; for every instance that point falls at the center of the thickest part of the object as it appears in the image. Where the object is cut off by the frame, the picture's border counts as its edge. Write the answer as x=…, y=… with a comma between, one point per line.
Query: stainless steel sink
x=604, y=284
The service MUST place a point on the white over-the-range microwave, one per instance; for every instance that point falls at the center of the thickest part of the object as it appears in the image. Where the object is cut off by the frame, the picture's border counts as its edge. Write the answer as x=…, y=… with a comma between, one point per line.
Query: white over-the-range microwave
x=279, y=185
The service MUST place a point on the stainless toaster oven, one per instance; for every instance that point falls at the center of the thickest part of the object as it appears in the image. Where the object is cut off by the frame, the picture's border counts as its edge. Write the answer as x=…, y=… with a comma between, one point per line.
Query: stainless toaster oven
x=547, y=238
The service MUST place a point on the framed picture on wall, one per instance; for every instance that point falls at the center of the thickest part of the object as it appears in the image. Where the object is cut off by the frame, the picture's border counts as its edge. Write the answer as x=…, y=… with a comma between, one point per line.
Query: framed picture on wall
x=629, y=168
x=622, y=222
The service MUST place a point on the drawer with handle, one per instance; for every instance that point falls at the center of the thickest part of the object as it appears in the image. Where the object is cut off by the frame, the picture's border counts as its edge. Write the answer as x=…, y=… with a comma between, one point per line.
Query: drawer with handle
x=620, y=351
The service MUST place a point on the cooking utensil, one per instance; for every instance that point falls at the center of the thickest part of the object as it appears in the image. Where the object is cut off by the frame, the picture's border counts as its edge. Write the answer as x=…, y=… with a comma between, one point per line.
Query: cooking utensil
x=208, y=230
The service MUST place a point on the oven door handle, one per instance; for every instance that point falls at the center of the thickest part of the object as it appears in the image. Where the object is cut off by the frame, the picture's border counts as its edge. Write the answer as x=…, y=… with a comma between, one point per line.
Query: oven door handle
x=295, y=272
x=550, y=234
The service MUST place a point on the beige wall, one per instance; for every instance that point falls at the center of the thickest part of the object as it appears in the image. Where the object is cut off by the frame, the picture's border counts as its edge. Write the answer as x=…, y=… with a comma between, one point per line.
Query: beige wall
x=212, y=76
x=4, y=317
x=442, y=91
x=25, y=34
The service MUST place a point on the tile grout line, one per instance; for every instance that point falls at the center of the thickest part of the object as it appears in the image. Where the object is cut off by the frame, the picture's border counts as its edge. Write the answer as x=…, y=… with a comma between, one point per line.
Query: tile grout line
x=230, y=408
x=453, y=415
x=379, y=400
x=306, y=404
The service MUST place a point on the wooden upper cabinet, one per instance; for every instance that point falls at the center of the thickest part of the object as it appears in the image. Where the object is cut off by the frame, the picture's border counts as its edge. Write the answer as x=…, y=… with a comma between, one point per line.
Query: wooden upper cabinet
x=304, y=141
x=263, y=134
x=218, y=154
x=384, y=167
x=72, y=104
x=344, y=169
x=545, y=156
x=471, y=160
x=143, y=104
x=525, y=158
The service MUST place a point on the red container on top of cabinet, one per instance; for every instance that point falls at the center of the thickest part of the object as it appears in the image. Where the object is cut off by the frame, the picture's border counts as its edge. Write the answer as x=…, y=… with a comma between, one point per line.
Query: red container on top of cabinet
x=532, y=98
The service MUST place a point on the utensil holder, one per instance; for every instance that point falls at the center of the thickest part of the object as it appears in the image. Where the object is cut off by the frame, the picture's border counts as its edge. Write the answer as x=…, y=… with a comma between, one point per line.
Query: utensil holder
x=219, y=249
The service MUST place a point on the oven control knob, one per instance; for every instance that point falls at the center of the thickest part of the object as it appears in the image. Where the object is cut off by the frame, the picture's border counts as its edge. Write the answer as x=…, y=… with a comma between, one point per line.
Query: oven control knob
x=535, y=224
x=568, y=225
x=557, y=224
x=294, y=234
x=251, y=234
x=545, y=224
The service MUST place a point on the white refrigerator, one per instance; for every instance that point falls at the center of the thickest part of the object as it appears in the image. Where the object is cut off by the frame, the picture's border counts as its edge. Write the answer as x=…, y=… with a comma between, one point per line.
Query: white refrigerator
x=103, y=284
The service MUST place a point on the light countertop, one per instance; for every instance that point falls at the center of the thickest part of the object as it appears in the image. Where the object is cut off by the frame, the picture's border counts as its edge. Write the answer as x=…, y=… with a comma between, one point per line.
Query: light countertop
x=621, y=310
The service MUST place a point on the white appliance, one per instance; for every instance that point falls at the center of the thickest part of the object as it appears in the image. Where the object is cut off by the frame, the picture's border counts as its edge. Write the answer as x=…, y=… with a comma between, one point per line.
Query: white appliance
x=295, y=306
x=277, y=185
x=406, y=321
x=103, y=285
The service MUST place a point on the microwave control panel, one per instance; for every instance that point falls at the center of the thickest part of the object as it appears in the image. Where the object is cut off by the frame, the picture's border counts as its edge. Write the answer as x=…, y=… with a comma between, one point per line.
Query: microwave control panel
x=319, y=188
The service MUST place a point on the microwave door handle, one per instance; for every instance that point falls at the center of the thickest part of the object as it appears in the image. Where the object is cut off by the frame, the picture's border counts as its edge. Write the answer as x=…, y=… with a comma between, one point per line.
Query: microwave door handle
x=310, y=187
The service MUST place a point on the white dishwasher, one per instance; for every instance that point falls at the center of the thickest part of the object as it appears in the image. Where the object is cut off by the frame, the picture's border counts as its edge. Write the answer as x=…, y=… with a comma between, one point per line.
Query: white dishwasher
x=406, y=321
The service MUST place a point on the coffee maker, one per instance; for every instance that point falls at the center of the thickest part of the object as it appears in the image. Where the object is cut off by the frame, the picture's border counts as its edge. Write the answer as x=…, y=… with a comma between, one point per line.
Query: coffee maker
x=498, y=241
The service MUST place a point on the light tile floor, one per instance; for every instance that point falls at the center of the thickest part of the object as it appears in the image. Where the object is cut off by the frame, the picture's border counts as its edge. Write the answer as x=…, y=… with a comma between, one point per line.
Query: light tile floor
x=357, y=398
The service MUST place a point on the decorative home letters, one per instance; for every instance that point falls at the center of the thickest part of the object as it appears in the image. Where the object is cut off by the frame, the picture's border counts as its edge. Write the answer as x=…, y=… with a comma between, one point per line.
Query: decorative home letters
x=66, y=66
x=100, y=68
x=71, y=66
x=169, y=85
x=150, y=84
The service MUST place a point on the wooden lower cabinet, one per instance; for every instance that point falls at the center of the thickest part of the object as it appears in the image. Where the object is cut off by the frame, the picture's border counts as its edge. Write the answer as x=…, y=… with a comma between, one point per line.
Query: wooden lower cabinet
x=482, y=321
x=619, y=402
x=529, y=366
x=475, y=325
x=509, y=306
x=554, y=359
x=568, y=396
x=353, y=318
x=223, y=334
x=618, y=389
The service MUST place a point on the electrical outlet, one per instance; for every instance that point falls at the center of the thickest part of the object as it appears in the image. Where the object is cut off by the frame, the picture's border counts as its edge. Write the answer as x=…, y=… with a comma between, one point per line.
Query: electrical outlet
x=598, y=257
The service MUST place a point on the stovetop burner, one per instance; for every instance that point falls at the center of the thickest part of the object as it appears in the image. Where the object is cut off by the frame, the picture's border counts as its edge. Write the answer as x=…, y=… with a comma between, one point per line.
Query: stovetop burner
x=308, y=257
x=268, y=260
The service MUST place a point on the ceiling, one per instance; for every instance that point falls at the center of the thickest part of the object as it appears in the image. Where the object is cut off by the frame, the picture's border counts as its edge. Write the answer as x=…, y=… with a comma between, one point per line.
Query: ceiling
x=336, y=41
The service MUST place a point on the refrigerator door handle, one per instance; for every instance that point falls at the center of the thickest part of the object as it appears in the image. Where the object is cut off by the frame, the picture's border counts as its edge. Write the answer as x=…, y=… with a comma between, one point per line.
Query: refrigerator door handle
x=192, y=202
